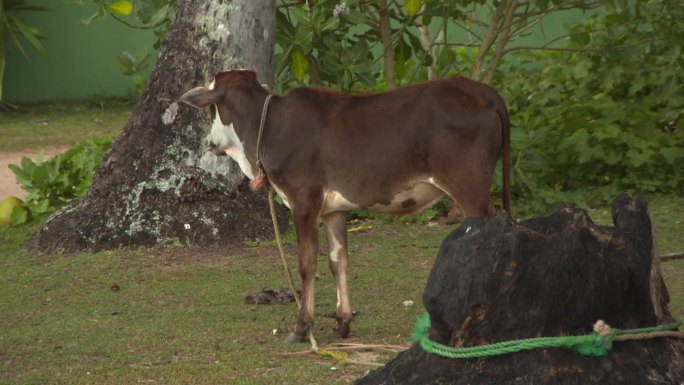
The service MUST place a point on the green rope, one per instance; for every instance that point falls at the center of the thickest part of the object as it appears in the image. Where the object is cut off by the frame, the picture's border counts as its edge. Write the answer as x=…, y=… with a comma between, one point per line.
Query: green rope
x=595, y=344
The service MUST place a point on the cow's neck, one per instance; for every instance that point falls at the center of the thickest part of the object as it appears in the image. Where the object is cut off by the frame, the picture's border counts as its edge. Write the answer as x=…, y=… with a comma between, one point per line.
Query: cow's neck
x=248, y=107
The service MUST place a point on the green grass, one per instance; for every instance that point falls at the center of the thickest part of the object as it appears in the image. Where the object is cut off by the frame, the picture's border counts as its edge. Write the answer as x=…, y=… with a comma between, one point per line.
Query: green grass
x=34, y=126
x=180, y=316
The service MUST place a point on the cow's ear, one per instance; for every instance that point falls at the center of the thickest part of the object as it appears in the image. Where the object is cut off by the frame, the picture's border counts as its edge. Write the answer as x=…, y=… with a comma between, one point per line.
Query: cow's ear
x=200, y=97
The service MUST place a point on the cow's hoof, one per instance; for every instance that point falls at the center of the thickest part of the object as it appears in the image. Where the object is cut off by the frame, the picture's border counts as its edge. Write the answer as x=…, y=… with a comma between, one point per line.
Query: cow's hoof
x=337, y=334
x=294, y=338
x=341, y=330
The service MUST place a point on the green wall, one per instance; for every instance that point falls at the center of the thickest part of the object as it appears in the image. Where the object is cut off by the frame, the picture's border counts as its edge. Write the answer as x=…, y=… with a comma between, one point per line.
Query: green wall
x=82, y=58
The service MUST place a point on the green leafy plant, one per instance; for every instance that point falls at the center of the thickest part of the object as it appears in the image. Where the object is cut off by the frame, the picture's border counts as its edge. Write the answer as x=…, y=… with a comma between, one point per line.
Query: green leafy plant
x=357, y=44
x=134, y=66
x=112, y=7
x=13, y=29
x=326, y=44
x=604, y=114
x=51, y=184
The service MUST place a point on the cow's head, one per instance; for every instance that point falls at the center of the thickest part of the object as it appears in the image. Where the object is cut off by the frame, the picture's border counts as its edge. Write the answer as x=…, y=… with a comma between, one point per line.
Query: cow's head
x=222, y=139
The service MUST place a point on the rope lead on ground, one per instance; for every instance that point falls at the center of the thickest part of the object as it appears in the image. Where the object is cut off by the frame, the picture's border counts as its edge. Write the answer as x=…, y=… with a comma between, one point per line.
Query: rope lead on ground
x=597, y=344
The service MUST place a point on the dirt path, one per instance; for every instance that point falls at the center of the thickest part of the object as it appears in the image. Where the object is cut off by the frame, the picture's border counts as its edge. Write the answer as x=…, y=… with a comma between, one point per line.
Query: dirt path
x=8, y=183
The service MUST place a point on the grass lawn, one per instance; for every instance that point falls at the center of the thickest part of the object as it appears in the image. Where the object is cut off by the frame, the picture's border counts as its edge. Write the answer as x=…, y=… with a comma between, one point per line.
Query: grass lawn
x=179, y=315
x=38, y=125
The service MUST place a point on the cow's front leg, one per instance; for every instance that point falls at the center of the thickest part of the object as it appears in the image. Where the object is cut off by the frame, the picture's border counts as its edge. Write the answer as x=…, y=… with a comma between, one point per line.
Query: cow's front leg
x=307, y=250
x=336, y=232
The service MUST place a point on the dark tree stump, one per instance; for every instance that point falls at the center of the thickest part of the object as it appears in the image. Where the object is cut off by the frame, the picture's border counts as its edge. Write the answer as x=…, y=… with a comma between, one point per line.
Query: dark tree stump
x=497, y=280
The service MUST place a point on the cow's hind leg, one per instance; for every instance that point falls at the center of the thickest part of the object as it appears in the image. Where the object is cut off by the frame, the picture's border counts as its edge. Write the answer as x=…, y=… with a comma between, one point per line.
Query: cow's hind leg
x=473, y=196
x=336, y=233
x=305, y=221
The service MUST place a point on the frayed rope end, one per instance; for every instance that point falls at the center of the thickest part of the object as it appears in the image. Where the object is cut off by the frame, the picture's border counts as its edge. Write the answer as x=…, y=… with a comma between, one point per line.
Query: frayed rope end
x=259, y=181
x=422, y=328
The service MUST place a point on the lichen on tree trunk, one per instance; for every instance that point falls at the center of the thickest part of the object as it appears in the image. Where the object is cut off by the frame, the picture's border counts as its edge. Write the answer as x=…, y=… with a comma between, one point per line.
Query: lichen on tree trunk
x=158, y=183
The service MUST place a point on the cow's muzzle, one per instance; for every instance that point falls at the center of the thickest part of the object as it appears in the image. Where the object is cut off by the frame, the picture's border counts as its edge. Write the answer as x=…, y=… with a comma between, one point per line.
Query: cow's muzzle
x=214, y=149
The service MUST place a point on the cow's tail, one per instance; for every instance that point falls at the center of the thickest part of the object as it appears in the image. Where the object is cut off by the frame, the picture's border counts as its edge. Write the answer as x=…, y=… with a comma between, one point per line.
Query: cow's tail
x=502, y=111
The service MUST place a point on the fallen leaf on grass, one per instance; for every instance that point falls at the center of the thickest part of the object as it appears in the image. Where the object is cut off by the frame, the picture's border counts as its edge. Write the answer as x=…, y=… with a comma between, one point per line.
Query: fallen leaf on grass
x=360, y=229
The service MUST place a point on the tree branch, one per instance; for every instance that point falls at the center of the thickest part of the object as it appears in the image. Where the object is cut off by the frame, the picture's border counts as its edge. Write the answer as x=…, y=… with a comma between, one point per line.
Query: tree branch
x=292, y=4
x=388, y=51
x=448, y=44
x=501, y=42
x=672, y=256
x=564, y=6
x=578, y=49
x=536, y=17
x=427, y=44
x=142, y=26
x=471, y=33
x=489, y=37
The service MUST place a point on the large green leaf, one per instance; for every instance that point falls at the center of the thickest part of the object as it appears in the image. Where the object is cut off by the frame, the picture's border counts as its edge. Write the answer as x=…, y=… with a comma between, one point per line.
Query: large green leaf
x=412, y=6
x=358, y=52
x=402, y=53
x=101, y=13
x=304, y=37
x=19, y=215
x=121, y=7
x=299, y=65
x=161, y=14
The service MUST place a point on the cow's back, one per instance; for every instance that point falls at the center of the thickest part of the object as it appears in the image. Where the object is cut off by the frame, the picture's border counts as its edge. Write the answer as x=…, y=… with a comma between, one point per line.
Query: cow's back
x=371, y=147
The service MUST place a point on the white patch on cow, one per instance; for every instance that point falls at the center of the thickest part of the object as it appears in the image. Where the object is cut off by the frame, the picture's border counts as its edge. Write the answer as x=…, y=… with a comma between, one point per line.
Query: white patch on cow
x=224, y=138
x=414, y=200
x=334, y=201
x=433, y=182
x=338, y=299
x=335, y=248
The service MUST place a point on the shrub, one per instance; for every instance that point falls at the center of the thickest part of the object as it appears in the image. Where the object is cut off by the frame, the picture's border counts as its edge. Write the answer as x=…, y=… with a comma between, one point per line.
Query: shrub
x=603, y=116
x=51, y=184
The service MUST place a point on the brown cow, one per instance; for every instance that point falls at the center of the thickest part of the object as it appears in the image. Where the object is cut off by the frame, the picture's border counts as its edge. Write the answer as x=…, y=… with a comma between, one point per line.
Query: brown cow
x=325, y=153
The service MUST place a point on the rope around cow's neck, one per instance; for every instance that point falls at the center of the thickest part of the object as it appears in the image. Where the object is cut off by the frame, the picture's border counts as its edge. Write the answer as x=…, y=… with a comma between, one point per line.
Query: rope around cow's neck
x=260, y=179
x=288, y=271
x=262, y=123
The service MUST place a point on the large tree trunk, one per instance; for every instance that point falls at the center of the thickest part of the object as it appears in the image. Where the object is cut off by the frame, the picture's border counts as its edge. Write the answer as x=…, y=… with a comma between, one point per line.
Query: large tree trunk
x=158, y=183
x=497, y=280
